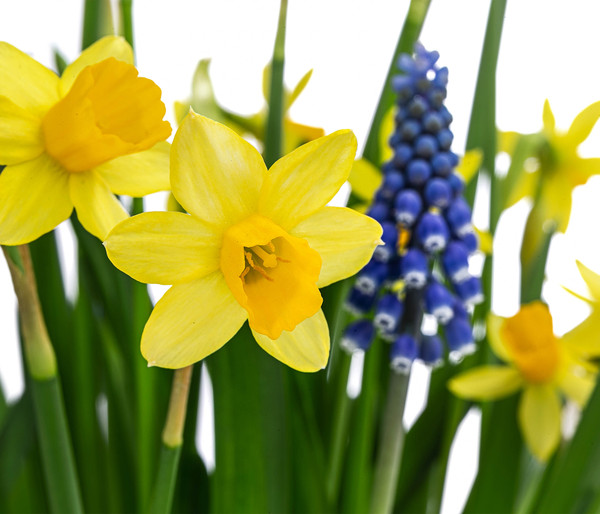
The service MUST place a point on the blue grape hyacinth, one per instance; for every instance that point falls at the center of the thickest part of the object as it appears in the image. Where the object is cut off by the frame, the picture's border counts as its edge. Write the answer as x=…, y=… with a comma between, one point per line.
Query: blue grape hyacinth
x=423, y=267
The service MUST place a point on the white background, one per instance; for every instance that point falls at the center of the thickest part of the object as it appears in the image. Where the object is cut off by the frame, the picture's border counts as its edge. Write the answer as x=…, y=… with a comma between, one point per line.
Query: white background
x=549, y=50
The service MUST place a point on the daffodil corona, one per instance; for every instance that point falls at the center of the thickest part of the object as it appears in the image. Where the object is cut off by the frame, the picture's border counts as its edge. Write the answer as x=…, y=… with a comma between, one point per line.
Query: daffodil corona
x=540, y=364
x=256, y=245
x=76, y=140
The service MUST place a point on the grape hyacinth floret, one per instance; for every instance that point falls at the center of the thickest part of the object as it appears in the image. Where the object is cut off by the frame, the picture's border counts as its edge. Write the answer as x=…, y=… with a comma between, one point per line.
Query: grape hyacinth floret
x=422, y=270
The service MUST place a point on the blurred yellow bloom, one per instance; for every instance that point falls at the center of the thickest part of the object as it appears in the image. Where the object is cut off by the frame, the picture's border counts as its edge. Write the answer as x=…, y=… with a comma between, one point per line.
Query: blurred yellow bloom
x=203, y=101
x=555, y=168
x=585, y=337
x=256, y=245
x=539, y=364
x=73, y=141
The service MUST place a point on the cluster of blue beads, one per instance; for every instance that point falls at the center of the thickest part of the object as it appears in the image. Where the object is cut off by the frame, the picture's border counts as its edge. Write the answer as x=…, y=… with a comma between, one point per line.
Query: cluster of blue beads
x=423, y=265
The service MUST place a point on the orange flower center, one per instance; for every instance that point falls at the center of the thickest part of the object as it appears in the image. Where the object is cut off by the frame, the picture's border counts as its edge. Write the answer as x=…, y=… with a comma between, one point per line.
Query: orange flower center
x=272, y=274
x=531, y=343
x=108, y=112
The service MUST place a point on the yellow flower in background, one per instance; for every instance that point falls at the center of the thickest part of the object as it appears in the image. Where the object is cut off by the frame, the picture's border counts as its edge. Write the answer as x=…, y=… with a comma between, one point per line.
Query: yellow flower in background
x=256, y=245
x=584, y=339
x=203, y=101
x=556, y=168
x=538, y=363
x=71, y=142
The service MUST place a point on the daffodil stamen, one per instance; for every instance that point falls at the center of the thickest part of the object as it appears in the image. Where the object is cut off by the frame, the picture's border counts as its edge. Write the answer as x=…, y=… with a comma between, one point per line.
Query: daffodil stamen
x=251, y=264
x=269, y=259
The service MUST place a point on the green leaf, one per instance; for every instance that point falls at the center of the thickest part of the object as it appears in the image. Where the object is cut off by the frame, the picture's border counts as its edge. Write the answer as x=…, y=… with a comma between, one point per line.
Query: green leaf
x=274, y=128
x=570, y=483
x=59, y=61
x=252, y=453
x=496, y=485
x=17, y=437
x=55, y=445
x=356, y=492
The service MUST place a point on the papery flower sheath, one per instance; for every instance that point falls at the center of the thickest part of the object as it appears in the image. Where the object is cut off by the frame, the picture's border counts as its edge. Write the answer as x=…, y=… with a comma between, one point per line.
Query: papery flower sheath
x=256, y=244
x=74, y=141
x=542, y=365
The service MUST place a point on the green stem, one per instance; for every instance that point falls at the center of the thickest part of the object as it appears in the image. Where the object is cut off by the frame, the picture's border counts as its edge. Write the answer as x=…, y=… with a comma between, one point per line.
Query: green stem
x=51, y=423
x=391, y=444
x=341, y=422
x=362, y=434
x=534, y=478
x=172, y=440
x=456, y=411
x=273, y=133
x=126, y=25
x=408, y=35
x=97, y=21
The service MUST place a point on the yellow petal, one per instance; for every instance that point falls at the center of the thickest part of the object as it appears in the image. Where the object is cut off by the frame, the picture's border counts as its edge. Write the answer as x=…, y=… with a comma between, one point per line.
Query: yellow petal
x=344, y=239
x=296, y=134
x=190, y=322
x=529, y=339
x=486, y=242
x=138, y=174
x=215, y=174
x=577, y=385
x=507, y=141
x=525, y=187
x=470, y=163
x=34, y=198
x=302, y=83
x=584, y=339
x=25, y=81
x=539, y=419
x=97, y=208
x=164, y=248
x=588, y=167
x=364, y=179
x=591, y=279
x=20, y=134
x=486, y=383
x=388, y=124
x=306, y=179
x=583, y=124
x=109, y=46
x=306, y=348
x=494, y=337
x=548, y=118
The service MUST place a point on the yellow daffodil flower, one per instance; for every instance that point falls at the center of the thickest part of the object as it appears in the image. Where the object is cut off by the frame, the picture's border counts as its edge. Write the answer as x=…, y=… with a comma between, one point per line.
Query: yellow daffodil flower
x=555, y=167
x=255, y=245
x=541, y=365
x=585, y=337
x=73, y=141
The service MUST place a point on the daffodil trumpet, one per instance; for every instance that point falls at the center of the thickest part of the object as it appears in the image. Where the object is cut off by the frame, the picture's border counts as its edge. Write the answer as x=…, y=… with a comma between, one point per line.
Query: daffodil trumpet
x=256, y=245
x=74, y=142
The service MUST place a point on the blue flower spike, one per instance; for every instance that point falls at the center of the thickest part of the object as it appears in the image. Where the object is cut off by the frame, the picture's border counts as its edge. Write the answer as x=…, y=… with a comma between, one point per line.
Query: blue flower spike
x=388, y=315
x=358, y=336
x=402, y=354
x=423, y=266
